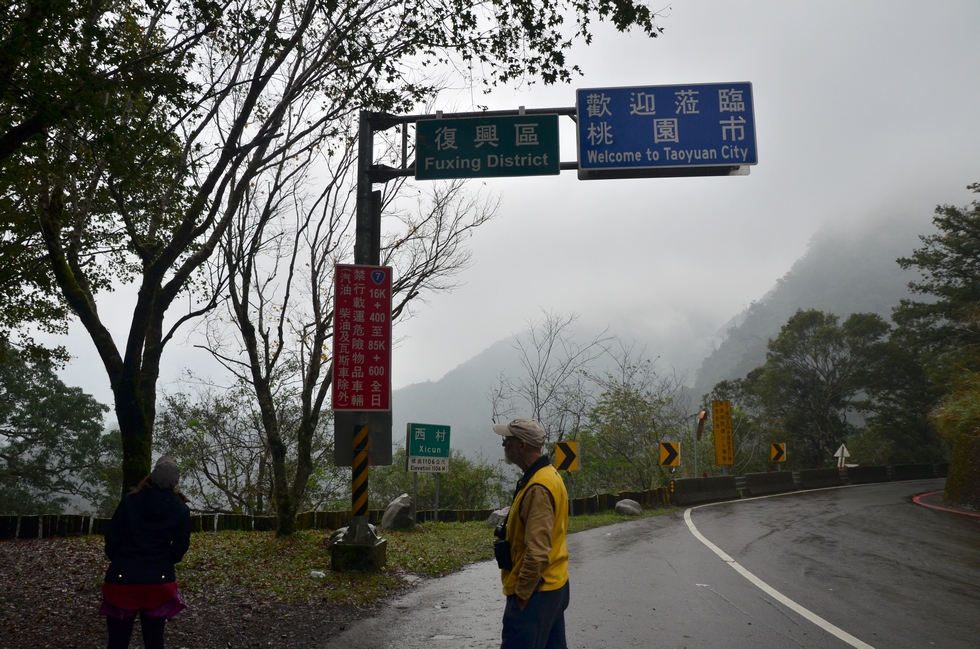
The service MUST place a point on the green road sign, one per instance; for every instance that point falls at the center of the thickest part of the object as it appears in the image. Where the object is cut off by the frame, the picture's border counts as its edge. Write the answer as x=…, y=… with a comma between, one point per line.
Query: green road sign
x=481, y=147
x=428, y=448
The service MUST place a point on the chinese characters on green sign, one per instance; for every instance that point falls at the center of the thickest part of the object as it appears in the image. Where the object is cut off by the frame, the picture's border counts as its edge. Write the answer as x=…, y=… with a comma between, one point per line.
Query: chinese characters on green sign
x=480, y=147
x=428, y=448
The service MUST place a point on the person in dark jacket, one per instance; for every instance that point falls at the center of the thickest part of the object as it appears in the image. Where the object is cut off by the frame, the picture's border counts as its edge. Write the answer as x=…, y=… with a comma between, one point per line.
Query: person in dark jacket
x=149, y=533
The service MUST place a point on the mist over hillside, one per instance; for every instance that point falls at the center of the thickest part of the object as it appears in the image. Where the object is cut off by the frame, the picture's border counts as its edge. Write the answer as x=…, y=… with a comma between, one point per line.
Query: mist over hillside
x=844, y=271
x=460, y=400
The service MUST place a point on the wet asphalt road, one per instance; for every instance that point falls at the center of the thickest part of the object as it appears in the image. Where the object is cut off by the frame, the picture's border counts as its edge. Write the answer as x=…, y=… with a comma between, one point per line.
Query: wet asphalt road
x=853, y=567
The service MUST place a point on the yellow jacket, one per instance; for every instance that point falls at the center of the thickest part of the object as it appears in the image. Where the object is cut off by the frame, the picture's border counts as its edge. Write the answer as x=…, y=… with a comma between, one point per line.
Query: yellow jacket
x=536, y=528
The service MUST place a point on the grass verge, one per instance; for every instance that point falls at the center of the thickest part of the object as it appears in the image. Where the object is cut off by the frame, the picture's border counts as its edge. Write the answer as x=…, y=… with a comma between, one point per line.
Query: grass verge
x=264, y=566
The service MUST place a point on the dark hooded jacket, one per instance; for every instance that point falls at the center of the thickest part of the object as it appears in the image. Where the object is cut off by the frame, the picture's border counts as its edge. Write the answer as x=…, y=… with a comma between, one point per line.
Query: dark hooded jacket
x=149, y=533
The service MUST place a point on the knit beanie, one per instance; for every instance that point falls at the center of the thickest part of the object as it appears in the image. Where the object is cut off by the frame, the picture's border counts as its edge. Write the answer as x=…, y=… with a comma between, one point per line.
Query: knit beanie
x=165, y=473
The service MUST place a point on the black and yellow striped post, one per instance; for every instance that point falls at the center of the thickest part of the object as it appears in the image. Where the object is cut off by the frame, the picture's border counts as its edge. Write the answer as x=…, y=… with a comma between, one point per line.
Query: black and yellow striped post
x=360, y=472
x=359, y=548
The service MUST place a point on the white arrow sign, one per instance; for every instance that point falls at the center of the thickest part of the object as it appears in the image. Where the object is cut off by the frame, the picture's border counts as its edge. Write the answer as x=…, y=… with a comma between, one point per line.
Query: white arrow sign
x=841, y=454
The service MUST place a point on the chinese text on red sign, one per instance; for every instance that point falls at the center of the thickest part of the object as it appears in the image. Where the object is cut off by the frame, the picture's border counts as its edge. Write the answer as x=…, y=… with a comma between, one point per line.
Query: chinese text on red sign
x=362, y=338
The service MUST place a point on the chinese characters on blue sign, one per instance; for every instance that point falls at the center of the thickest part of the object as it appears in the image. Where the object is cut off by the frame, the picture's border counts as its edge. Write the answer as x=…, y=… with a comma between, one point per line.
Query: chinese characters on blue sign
x=664, y=127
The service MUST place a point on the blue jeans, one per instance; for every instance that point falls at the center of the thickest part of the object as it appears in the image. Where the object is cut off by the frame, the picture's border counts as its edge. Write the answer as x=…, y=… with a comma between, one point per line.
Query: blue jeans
x=541, y=625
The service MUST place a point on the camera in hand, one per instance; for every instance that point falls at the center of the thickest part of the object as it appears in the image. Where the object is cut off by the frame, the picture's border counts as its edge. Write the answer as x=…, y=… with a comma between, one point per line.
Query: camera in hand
x=501, y=548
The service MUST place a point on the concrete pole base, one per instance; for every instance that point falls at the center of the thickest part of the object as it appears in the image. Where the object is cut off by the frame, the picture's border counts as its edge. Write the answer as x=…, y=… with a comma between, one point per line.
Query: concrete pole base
x=370, y=557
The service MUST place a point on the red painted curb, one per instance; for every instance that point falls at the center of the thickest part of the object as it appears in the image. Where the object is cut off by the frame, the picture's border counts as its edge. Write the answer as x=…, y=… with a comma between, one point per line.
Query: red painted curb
x=918, y=501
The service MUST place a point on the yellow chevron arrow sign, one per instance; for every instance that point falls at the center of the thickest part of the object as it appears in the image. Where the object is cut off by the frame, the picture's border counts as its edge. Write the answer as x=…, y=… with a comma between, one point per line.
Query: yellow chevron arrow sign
x=778, y=452
x=566, y=456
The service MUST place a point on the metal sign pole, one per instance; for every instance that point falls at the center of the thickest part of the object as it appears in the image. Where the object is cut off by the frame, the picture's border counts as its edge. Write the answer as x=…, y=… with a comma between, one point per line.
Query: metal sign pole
x=360, y=548
x=696, y=474
x=436, y=513
x=571, y=496
x=415, y=496
x=362, y=255
x=365, y=225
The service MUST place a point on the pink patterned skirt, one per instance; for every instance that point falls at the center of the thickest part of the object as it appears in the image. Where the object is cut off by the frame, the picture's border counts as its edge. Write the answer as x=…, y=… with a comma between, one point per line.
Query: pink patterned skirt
x=154, y=600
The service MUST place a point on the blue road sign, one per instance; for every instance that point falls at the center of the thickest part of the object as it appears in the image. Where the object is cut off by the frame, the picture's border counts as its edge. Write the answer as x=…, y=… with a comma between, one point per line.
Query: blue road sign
x=696, y=129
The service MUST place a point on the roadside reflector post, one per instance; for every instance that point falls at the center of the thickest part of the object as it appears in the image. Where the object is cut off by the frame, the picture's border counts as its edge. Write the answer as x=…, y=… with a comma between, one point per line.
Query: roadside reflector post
x=699, y=422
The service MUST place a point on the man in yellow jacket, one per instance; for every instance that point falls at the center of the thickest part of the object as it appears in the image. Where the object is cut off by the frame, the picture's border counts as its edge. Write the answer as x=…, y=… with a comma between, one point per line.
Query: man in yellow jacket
x=536, y=583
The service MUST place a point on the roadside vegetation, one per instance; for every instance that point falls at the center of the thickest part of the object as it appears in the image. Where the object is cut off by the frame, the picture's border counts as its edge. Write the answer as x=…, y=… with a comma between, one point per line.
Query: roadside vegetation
x=289, y=568
x=244, y=589
x=898, y=392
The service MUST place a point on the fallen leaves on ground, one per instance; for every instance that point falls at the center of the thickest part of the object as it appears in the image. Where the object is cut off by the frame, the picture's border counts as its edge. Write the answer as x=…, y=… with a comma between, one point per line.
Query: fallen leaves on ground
x=50, y=592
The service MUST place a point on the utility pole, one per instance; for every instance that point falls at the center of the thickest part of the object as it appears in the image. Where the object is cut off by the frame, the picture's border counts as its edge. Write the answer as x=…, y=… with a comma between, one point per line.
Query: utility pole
x=360, y=548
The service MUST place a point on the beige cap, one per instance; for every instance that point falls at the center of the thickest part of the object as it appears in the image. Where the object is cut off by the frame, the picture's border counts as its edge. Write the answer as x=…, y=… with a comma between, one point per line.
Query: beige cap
x=526, y=429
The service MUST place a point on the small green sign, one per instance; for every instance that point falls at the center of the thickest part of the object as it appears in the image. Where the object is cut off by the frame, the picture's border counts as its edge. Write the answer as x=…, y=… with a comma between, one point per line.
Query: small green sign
x=428, y=448
x=482, y=147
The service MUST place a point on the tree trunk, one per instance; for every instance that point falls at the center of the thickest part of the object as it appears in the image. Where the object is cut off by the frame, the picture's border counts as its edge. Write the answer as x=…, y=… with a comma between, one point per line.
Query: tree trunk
x=128, y=386
x=285, y=504
x=136, y=431
x=285, y=518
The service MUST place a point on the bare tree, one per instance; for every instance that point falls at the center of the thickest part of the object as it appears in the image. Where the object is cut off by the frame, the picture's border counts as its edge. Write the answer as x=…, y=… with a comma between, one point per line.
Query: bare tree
x=143, y=190
x=604, y=394
x=556, y=387
x=638, y=408
x=220, y=452
x=215, y=433
x=273, y=331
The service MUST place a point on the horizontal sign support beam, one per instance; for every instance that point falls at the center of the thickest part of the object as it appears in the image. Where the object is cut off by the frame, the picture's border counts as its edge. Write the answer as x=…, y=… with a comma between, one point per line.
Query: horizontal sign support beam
x=683, y=172
x=384, y=173
x=384, y=121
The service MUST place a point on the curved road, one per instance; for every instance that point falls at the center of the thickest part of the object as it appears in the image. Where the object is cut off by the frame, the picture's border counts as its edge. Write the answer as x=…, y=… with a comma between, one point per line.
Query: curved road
x=850, y=567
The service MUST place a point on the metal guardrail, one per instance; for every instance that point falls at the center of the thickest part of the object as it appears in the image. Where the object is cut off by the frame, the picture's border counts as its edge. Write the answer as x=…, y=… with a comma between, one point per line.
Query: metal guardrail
x=56, y=525
x=710, y=490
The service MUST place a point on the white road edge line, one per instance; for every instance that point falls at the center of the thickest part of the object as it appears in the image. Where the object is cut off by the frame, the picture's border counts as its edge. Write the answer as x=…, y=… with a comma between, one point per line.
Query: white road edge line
x=772, y=592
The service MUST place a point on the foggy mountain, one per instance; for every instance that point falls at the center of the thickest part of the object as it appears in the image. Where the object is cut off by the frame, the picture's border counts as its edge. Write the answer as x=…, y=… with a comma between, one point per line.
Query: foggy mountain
x=460, y=400
x=844, y=271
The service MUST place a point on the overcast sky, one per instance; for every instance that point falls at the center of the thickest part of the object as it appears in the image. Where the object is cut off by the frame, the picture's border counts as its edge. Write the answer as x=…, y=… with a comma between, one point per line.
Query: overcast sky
x=862, y=109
